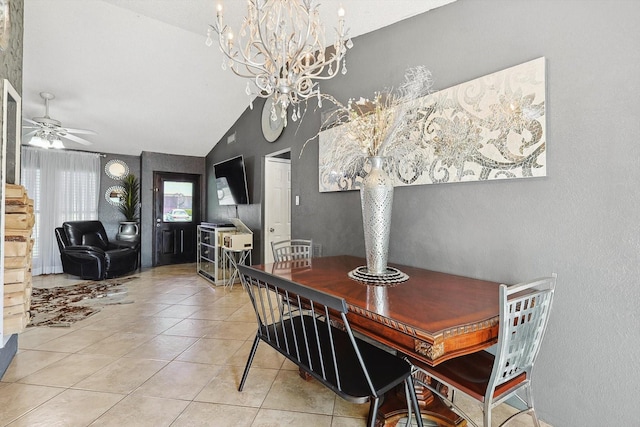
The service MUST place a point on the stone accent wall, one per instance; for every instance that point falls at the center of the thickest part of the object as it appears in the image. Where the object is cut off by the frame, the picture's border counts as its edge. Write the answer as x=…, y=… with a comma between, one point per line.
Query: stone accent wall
x=11, y=58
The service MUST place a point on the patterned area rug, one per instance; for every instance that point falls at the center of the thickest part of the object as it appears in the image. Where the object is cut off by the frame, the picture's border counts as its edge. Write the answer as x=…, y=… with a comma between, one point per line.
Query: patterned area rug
x=64, y=305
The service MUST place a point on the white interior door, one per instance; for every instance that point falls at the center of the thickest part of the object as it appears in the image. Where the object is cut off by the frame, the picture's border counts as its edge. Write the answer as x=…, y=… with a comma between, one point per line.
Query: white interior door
x=277, y=203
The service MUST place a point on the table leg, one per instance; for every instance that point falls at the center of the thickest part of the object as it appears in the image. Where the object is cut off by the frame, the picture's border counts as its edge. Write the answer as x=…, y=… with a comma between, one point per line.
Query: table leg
x=434, y=412
x=304, y=374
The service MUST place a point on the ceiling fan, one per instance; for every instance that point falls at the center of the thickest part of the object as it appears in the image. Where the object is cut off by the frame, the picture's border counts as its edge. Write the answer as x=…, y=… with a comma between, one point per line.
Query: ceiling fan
x=46, y=132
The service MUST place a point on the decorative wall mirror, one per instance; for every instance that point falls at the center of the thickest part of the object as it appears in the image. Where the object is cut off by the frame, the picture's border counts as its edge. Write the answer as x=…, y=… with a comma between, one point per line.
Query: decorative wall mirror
x=116, y=169
x=11, y=132
x=115, y=195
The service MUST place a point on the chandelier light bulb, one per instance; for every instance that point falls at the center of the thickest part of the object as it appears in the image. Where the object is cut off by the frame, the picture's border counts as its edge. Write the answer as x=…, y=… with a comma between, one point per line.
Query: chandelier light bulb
x=341, y=12
x=307, y=59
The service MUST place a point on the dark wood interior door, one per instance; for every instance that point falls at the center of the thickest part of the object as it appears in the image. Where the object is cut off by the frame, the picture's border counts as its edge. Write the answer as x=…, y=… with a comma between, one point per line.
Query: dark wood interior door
x=177, y=214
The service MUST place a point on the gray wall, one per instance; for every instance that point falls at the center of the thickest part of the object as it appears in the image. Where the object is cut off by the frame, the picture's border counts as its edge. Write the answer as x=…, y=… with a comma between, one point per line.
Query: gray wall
x=107, y=213
x=251, y=144
x=580, y=221
x=159, y=162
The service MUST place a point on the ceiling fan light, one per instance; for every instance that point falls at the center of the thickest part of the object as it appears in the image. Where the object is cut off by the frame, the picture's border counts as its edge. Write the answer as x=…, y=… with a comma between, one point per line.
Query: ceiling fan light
x=57, y=144
x=37, y=141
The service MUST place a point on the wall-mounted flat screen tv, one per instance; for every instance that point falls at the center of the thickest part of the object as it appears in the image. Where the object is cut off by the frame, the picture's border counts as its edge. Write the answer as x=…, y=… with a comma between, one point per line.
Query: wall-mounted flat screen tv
x=231, y=182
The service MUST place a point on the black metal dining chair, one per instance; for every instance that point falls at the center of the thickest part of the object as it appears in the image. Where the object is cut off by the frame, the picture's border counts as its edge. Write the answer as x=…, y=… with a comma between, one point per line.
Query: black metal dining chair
x=320, y=341
x=492, y=379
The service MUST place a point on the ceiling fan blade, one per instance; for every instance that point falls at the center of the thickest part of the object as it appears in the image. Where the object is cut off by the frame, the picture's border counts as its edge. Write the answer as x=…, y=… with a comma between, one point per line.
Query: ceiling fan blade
x=31, y=122
x=29, y=134
x=81, y=131
x=75, y=139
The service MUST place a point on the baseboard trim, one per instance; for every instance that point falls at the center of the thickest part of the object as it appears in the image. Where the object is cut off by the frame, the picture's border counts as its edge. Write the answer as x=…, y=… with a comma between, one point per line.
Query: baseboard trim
x=7, y=353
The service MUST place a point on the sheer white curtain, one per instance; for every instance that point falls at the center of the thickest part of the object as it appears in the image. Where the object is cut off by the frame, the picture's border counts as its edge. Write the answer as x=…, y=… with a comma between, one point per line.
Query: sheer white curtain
x=64, y=186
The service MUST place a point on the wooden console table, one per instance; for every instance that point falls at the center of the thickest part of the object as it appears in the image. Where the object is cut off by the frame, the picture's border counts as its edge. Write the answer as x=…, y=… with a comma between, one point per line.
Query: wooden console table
x=432, y=316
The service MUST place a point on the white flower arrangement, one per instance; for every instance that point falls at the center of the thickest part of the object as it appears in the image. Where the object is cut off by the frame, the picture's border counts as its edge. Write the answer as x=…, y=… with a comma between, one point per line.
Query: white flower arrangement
x=375, y=127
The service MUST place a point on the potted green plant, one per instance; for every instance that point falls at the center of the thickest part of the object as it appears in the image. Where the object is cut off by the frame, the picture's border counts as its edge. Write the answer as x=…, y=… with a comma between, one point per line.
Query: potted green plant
x=129, y=229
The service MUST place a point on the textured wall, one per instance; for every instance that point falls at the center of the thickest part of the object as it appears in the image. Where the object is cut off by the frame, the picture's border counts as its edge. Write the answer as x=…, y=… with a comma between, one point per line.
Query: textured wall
x=107, y=213
x=580, y=221
x=11, y=58
x=249, y=142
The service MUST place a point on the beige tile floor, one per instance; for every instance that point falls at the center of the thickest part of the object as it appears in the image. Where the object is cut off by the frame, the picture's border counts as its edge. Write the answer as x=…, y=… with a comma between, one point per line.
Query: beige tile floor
x=173, y=357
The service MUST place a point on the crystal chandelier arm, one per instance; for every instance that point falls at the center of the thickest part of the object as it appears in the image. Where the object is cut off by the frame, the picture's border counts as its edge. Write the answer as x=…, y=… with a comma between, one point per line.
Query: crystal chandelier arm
x=301, y=44
x=312, y=70
x=260, y=18
x=336, y=56
x=226, y=47
x=302, y=41
x=245, y=51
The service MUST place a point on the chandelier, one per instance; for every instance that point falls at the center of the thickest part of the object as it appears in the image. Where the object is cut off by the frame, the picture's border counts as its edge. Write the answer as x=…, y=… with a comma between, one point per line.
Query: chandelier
x=281, y=49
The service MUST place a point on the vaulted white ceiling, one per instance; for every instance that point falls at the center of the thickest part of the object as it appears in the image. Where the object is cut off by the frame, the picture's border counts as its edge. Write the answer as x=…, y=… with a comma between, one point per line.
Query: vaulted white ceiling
x=139, y=74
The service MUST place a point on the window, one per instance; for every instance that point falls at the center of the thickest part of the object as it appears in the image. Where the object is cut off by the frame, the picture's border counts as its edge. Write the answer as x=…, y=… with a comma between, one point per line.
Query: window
x=177, y=205
x=64, y=186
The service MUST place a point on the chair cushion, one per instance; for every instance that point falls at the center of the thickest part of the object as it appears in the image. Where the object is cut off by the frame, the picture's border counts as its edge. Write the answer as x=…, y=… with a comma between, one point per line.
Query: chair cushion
x=470, y=374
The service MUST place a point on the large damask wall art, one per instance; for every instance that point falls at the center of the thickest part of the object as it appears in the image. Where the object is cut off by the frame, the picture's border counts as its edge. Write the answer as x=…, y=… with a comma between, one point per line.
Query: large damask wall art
x=489, y=128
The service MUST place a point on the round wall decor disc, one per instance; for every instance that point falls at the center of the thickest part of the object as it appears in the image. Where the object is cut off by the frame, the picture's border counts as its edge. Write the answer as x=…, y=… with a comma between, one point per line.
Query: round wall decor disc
x=271, y=129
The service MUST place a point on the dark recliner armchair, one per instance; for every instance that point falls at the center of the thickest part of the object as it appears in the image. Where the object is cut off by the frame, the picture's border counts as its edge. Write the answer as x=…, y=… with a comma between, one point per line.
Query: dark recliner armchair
x=86, y=251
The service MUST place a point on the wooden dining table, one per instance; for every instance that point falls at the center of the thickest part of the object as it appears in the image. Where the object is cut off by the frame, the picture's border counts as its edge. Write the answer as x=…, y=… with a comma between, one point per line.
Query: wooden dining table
x=432, y=316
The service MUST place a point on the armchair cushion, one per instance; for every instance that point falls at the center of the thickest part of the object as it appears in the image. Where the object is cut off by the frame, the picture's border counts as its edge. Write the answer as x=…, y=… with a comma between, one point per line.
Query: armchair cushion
x=120, y=244
x=120, y=261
